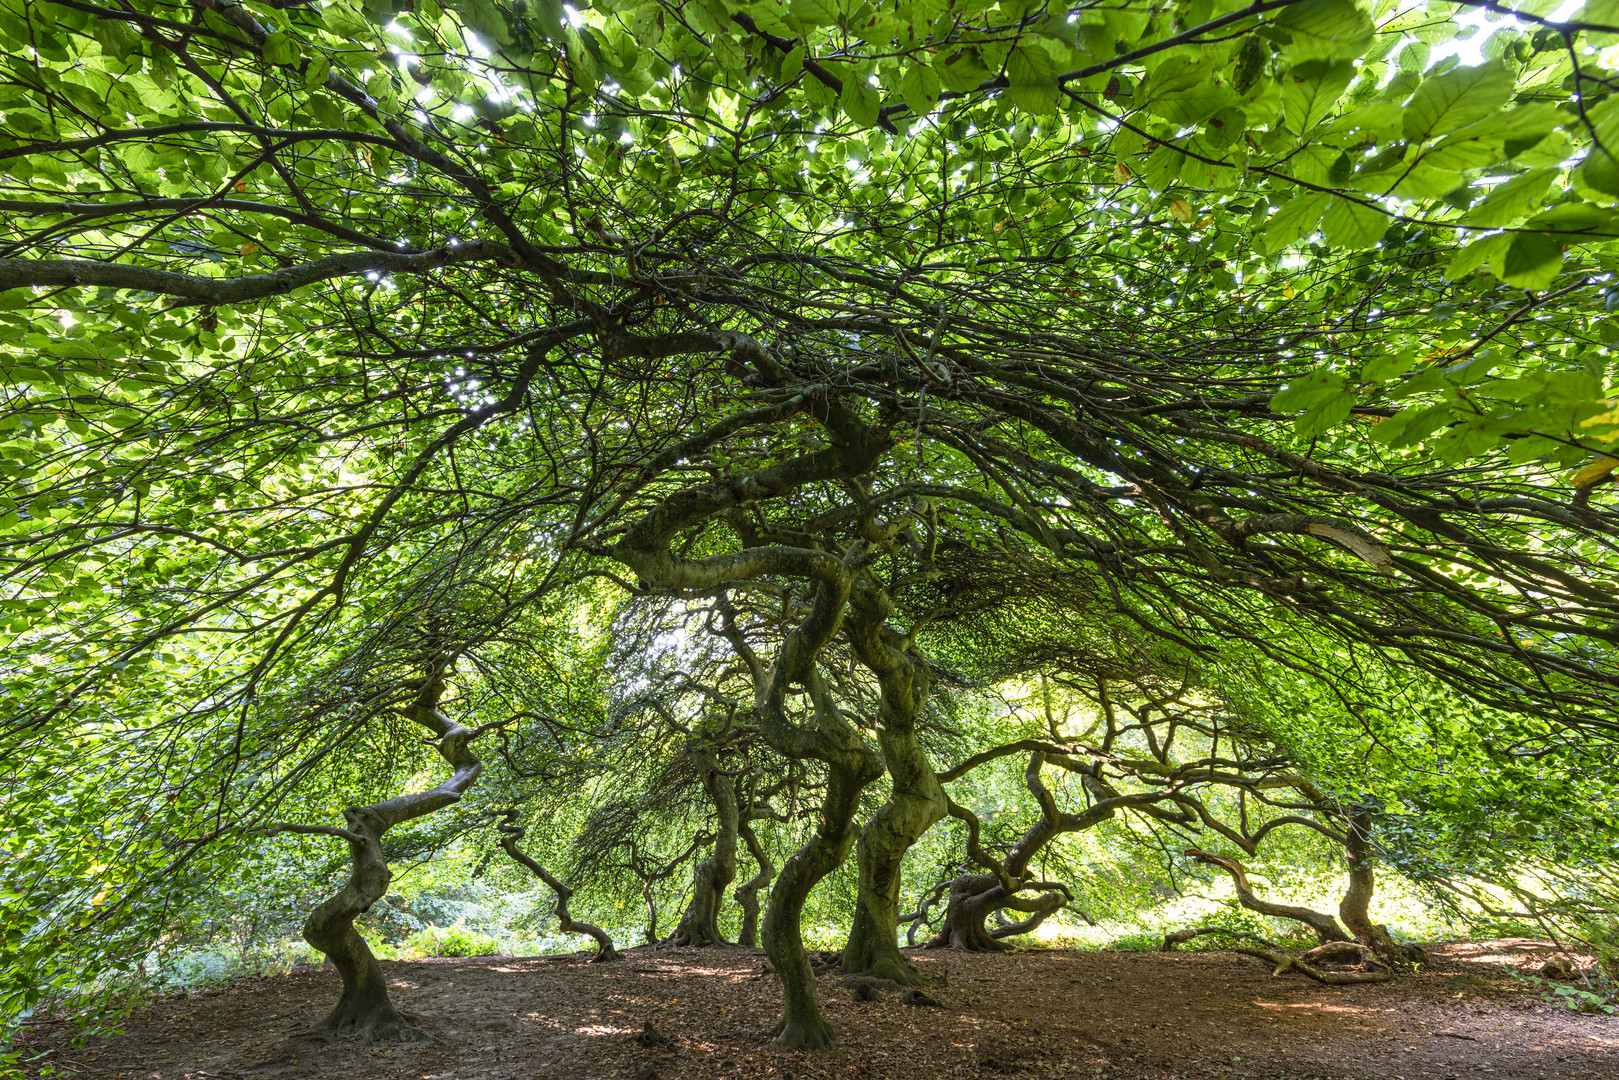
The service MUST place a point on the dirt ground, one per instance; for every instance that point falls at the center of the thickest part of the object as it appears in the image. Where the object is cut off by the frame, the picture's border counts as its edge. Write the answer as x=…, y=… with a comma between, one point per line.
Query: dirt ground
x=1117, y=1015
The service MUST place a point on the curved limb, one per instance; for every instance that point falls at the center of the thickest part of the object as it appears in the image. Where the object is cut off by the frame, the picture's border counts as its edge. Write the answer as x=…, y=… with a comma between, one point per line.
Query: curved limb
x=1325, y=926
x=747, y=894
x=511, y=833
x=919, y=917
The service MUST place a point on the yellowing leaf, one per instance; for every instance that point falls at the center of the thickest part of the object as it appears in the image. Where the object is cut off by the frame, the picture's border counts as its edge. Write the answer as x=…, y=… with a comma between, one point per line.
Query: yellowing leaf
x=1181, y=210
x=1593, y=472
x=1289, y=292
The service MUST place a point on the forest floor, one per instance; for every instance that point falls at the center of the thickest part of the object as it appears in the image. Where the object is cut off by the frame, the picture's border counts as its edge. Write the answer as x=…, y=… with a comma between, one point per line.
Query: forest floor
x=1119, y=1015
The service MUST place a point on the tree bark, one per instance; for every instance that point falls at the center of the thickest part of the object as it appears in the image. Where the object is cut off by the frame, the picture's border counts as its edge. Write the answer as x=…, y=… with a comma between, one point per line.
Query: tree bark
x=801, y=1024
x=700, y=923
x=747, y=894
x=1355, y=908
x=975, y=897
x=364, y=1006
x=511, y=833
x=915, y=801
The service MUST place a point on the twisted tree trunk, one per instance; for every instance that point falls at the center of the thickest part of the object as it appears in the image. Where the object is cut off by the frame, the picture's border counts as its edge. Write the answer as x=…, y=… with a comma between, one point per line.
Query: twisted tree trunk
x=747, y=894
x=915, y=800
x=975, y=897
x=511, y=833
x=801, y=1024
x=700, y=923
x=364, y=1006
x=1355, y=908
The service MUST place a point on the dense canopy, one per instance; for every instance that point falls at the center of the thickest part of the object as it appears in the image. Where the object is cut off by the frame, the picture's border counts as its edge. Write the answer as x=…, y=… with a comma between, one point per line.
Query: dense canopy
x=653, y=438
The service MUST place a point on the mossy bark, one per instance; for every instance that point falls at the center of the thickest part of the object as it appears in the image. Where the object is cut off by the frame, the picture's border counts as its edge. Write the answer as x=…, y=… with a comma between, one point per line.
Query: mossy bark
x=801, y=1024
x=915, y=802
x=914, y=805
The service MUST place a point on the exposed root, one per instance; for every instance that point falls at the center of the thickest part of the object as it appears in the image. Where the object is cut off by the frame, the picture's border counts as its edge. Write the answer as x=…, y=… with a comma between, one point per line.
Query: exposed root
x=792, y=1035
x=914, y=996
x=895, y=975
x=1283, y=961
x=379, y=1026
x=651, y=1037
x=874, y=984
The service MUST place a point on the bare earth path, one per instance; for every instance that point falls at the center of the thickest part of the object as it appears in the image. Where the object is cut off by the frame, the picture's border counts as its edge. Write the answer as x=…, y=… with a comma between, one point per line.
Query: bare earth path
x=1052, y=1013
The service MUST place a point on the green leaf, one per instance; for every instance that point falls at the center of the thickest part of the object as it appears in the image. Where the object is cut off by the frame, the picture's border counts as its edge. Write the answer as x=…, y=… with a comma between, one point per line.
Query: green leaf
x=1312, y=89
x=1032, y=76
x=1295, y=220
x=1532, y=261
x=316, y=71
x=793, y=64
x=1386, y=367
x=1353, y=225
x=920, y=88
x=959, y=70
x=1511, y=199
x=278, y=49
x=1497, y=138
x=1457, y=98
x=1189, y=107
x=1476, y=254
x=1600, y=172
x=859, y=99
x=1324, y=29
x=816, y=12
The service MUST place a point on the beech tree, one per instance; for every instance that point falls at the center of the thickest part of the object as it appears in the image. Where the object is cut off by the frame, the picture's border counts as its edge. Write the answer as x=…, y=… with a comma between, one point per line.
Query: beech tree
x=1247, y=327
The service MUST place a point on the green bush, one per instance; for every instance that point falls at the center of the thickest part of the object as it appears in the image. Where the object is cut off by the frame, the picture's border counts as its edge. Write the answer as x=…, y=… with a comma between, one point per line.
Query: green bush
x=448, y=941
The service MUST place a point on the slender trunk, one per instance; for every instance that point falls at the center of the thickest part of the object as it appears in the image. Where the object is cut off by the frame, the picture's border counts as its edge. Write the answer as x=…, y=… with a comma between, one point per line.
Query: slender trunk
x=364, y=1006
x=511, y=833
x=914, y=805
x=1355, y=908
x=651, y=913
x=801, y=1024
x=700, y=924
x=747, y=894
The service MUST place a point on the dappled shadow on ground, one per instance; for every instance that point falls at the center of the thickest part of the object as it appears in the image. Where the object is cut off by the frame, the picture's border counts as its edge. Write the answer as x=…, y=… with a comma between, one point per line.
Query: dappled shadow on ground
x=1045, y=1013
